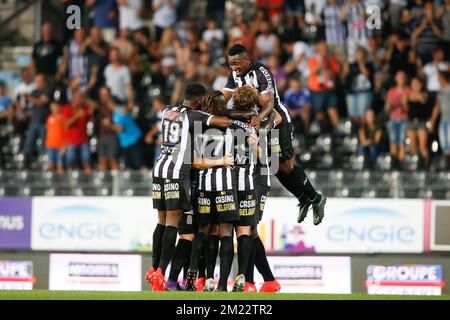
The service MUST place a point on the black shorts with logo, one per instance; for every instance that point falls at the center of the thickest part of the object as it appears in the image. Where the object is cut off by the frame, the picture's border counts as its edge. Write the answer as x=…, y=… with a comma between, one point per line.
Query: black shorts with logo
x=188, y=222
x=247, y=201
x=171, y=194
x=281, y=143
x=217, y=207
x=262, y=192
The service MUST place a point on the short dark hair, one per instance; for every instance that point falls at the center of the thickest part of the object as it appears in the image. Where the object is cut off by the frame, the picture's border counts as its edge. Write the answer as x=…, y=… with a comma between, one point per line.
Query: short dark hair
x=194, y=91
x=237, y=49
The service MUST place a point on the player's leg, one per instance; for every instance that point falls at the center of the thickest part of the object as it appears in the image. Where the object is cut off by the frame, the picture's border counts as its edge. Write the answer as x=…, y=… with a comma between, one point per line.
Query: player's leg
x=250, y=272
x=169, y=238
x=247, y=210
x=294, y=179
x=182, y=250
x=196, y=253
x=226, y=254
x=212, y=250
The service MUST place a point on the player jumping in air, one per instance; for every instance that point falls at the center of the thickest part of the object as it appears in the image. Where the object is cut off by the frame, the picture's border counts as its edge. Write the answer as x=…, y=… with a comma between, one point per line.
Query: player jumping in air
x=244, y=71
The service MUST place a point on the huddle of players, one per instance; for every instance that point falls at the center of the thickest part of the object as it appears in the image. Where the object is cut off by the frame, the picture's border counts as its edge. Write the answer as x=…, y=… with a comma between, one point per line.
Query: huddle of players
x=228, y=191
x=224, y=190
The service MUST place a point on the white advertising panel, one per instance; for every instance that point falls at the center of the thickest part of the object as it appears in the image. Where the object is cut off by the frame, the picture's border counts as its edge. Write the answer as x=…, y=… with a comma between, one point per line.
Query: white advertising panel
x=304, y=274
x=95, y=272
x=439, y=225
x=16, y=275
x=92, y=224
x=349, y=226
x=415, y=279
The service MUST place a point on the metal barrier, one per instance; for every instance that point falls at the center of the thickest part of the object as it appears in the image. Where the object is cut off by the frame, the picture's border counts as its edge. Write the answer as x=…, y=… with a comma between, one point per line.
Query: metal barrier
x=333, y=183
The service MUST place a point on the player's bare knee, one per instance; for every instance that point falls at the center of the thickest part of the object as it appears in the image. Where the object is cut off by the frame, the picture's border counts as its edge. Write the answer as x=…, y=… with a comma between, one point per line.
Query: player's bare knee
x=189, y=236
x=242, y=231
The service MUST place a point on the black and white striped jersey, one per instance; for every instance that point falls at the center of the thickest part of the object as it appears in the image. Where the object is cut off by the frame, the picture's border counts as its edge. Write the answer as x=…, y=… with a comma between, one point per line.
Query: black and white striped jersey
x=214, y=144
x=177, y=126
x=245, y=160
x=260, y=77
x=262, y=170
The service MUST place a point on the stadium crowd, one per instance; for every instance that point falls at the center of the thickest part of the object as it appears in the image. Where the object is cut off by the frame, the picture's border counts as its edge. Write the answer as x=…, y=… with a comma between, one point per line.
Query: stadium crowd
x=105, y=85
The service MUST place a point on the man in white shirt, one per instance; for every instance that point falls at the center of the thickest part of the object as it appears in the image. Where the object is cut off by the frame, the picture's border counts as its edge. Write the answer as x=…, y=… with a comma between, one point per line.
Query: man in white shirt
x=130, y=14
x=432, y=68
x=118, y=78
x=164, y=15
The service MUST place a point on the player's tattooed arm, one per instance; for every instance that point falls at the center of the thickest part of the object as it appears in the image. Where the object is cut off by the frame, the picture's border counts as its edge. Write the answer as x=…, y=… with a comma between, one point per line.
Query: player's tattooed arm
x=201, y=163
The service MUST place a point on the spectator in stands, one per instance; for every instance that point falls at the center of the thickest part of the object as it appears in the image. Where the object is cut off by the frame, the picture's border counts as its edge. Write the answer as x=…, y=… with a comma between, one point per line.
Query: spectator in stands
x=266, y=43
x=108, y=145
x=300, y=52
x=354, y=13
x=77, y=62
x=46, y=53
x=5, y=113
x=396, y=8
x=221, y=77
x=445, y=17
x=279, y=73
x=216, y=11
x=117, y=77
x=5, y=103
x=130, y=12
x=105, y=17
x=398, y=55
x=153, y=136
x=334, y=29
x=189, y=76
x=39, y=100
x=359, y=77
x=323, y=69
x=442, y=107
x=21, y=108
x=54, y=140
x=431, y=71
x=418, y=114
x=128, y=133
x=213, y=35
x=428, y=33
x=297, y=100
x=124, y=44
x=369, y=135
x=164, y=15
x=95, y=48
x=76, y=116
x=397, y=108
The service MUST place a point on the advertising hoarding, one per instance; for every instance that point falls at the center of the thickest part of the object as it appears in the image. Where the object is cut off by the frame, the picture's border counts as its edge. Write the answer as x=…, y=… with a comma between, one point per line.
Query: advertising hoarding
x=415, y=279
x=349, y=226
x=95, y=272
x=311, y=274
x=16, y=275
x=92, y=224
x=15, y=223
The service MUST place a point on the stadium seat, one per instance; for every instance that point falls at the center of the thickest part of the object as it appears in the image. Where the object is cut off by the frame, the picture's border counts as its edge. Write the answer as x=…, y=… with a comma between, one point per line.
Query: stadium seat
x=350, y=144
x=384, y=162
x=344, y=128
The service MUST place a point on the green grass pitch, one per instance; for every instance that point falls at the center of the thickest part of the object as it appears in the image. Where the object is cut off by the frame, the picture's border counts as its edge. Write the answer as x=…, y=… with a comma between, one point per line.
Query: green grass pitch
x=148, y=295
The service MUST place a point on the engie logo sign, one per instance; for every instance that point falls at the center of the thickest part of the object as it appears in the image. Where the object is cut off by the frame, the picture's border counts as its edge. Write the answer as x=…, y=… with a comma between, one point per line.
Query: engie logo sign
x=349, y=226
x=91, y=224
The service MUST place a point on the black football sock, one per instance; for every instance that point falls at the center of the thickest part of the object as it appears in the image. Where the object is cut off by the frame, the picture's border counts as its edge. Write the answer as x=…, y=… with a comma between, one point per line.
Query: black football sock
x=226, y=252
x=157, y=244
x=202, y=260
x=211, y=255
x=243, y=249
x=179, y=258
x=261, y=262
x=297, y=183
x=187, y=259
x=197, y=250
x=168, y=247
x=249, y=274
